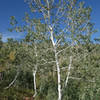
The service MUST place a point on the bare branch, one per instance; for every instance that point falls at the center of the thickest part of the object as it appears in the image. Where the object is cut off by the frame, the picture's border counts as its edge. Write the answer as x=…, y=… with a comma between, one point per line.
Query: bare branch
x=48, y=62
x=62, y=68
x=48, y=10
x=12, y=81
x=58, y=42
x=75, y=78
x=63, y=50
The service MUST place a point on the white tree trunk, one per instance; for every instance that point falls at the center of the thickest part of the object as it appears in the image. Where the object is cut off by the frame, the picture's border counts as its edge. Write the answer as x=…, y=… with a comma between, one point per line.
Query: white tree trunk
x=34, y=72
x=59, y=76
x=69, y=68
x=34, y=78
x=56, y=55
x=57, y=64
x=12, y=81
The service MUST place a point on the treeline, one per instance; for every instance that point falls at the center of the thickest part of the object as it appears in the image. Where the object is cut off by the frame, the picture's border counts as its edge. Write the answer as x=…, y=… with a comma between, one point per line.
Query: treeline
x=17, y=61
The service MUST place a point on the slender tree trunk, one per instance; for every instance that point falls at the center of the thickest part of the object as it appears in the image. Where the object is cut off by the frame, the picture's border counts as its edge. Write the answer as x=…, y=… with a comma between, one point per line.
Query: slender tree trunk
x=57, y=64
x=56, y=55
x=69, y=68
x=59, y=76
x=13, y=81
x=34, y=78
x=34, y=72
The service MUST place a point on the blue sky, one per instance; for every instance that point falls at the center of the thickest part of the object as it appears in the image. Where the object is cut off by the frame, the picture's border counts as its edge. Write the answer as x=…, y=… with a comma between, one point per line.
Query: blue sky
x=17, y=8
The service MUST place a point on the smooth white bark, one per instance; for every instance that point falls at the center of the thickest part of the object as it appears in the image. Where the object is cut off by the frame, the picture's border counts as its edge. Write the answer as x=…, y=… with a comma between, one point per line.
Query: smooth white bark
x=57, y=64
x=59, y=76
x=69, y=68
x=12, y=81
x=34, y=73
x=55, y=44
x=34, y=78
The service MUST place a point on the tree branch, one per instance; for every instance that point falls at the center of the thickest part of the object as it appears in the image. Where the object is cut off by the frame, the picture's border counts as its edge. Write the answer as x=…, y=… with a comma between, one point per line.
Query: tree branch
x=13, y=81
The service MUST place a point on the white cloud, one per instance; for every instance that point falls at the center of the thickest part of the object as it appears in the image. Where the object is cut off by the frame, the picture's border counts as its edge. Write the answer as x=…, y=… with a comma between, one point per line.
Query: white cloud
x=14, y=35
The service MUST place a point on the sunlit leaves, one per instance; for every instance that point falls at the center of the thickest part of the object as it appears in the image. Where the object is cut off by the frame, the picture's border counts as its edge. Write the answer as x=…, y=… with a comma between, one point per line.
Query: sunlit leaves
x=12, y=55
